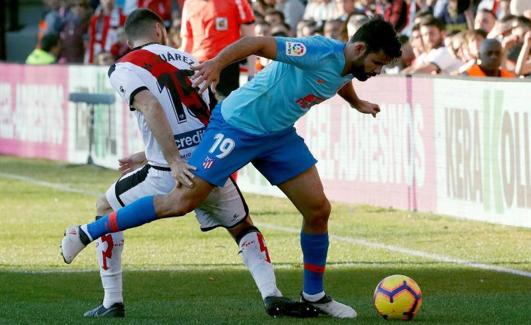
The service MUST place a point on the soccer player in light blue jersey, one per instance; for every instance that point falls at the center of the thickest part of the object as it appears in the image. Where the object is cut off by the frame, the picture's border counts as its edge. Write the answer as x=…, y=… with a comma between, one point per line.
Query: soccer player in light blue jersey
x=255, y=125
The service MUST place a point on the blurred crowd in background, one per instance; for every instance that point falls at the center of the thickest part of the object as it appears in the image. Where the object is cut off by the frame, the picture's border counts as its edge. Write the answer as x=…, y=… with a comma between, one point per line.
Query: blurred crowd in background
x=452, y=37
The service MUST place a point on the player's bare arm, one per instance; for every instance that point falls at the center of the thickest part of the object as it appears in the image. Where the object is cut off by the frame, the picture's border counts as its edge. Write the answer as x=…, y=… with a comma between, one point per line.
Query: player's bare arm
x=208, y=71
x=348, y=93
x=156, y=119
x=132, y=162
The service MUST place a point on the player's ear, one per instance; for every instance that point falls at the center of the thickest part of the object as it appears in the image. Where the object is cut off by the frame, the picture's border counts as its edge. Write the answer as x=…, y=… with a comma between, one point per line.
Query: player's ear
x=130, y=44
x=360, y=48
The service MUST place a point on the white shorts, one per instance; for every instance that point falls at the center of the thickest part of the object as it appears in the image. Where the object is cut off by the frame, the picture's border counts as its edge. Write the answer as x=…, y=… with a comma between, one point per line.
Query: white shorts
x=224, y=206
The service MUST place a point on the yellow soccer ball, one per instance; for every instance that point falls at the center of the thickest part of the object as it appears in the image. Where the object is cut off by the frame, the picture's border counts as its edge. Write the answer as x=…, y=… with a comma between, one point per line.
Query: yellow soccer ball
x=397, y=297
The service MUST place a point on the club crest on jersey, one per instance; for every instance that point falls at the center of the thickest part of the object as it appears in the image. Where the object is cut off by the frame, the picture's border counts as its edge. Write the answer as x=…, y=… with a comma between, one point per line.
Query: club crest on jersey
x=208, y=163
x=222, y=23
x=295, y=49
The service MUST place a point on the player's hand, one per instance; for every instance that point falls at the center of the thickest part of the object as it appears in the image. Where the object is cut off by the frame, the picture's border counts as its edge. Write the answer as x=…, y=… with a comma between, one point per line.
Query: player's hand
x=132, y=162
x=181, y=171
x=206, y=74
x=366, y=107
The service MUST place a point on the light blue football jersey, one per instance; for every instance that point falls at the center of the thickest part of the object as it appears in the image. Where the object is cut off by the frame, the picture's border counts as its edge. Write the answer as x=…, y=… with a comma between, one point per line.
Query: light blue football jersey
x=306, y=71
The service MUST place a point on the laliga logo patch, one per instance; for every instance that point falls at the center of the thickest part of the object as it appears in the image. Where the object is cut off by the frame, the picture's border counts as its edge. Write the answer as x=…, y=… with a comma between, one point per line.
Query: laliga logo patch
x=295, y=49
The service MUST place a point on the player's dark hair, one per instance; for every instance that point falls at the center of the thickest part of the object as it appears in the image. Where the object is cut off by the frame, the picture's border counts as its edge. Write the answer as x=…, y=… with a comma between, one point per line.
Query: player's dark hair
x=49, y=41
x=139, y=21
x=378, y=35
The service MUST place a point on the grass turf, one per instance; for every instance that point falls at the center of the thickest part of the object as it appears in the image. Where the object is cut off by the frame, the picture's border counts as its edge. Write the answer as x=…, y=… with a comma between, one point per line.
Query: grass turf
x=176, y=274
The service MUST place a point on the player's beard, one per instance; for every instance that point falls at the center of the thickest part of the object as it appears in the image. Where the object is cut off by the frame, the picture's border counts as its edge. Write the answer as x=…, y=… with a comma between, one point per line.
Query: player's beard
x=358, y=70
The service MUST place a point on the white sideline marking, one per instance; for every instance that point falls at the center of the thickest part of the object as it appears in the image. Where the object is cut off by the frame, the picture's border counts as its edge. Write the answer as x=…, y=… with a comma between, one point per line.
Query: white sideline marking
x=55, y=186
x=407, y=251
x=350, y=240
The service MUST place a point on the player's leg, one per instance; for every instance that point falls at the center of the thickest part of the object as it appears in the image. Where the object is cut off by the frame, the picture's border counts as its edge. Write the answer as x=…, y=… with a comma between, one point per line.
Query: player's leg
x=226, y=207
x=109, y=255
x=306, y=193
x=144, y=210
x=212, y=158
x=290, y=165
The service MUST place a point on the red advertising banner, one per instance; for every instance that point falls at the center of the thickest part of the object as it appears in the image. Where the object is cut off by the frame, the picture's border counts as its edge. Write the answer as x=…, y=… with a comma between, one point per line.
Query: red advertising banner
x=33, y=111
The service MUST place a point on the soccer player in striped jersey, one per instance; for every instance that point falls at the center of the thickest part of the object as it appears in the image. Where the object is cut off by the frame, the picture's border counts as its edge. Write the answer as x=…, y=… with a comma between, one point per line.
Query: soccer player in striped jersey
x=255, y=124
x=154, y=81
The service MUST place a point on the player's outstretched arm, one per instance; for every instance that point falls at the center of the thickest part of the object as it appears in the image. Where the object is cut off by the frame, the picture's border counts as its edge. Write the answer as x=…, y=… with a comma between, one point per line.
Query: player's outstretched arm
x=157, y=122
x=207, y=73
x=349, y=94
x=132, y=162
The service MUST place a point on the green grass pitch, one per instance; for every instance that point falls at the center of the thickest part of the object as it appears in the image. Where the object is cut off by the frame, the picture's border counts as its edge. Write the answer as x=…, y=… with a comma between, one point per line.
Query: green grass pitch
x=175, y=274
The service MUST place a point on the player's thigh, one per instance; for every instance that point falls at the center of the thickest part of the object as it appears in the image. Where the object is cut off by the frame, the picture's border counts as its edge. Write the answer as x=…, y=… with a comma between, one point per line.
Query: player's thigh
x=286, y=157
x=103, y=206
x=306, y=192
x=141, y=182
x=223, y=150
x=223, y=207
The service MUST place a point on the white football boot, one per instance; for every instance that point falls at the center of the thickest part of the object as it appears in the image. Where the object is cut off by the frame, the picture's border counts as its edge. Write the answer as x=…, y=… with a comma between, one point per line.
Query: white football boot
x=74, y=241
x=329, y=306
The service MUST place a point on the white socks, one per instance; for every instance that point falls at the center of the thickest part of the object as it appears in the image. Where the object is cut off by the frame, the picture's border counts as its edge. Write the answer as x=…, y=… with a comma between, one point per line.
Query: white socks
x=109, y=253
x=256, y=258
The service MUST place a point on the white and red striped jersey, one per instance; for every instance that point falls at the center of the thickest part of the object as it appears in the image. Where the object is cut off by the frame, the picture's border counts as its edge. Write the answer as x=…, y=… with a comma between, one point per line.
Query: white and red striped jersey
x=165, y=72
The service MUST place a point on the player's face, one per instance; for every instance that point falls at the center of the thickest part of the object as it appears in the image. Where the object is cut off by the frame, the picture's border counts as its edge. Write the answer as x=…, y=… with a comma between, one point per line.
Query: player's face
x=369, y=65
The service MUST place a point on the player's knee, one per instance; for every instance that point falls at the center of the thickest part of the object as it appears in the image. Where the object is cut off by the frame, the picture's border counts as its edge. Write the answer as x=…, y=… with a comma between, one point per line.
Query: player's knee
x=317, y=217
x=103, y=206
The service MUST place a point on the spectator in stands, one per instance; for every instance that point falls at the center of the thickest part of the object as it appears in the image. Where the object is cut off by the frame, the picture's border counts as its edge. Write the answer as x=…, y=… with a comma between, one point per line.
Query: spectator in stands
x=521, y=25
x=103, y=29
x=280, y=30
x=293, y=11
x=394, y=12
x=104, y=58
x=523, y=64
x=53, y=20
x=490, y=59
x=416, y=42
x=438, y=59
x=74, y=29
x=521, y=8
x=500, y=8
x=485, y=20
x=468, y=51
x=345, y=8
x=502, y=28
x=453, y=18
x=262, y=29
x=47, y=52
x=334, y=29
x=306, y=27
x=274, y=17
x=174, y=34
x=210, y=26
x=354, y=22
x=320, y=11
x=405, y=60
x=160, y=7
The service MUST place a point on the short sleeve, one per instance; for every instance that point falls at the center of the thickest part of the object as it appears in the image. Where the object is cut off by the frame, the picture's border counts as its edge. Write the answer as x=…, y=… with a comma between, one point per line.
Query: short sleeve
x=245, y=12
x=305, y=53
x=126, y=82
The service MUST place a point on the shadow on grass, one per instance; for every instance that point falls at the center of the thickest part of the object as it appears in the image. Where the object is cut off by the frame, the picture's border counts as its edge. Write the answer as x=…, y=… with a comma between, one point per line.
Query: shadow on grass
x=228, y=296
